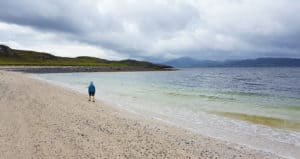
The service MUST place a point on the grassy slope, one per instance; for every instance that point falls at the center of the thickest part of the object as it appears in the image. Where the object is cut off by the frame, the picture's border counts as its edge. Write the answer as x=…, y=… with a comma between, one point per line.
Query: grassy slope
x=31, y=58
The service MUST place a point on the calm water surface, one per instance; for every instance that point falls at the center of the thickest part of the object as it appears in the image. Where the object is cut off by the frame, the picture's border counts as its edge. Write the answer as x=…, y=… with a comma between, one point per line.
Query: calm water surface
x=257, y=107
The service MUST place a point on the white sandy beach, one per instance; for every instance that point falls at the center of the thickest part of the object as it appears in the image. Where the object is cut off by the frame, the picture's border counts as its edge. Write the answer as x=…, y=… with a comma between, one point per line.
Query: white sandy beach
x=40, y=120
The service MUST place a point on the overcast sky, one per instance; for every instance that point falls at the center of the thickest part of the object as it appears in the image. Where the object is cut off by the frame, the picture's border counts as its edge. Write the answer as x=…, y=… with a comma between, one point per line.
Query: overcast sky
x=154, y=30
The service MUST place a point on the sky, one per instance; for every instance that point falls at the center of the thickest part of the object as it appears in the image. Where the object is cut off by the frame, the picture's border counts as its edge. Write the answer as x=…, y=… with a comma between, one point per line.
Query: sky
x=153, y=30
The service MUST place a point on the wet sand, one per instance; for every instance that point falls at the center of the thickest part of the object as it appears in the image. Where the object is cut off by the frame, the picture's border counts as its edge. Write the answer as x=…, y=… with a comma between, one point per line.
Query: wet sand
x=40, y=120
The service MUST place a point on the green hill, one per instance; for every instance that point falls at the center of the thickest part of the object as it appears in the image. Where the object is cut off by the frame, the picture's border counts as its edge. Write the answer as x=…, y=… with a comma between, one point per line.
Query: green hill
x=13, y=57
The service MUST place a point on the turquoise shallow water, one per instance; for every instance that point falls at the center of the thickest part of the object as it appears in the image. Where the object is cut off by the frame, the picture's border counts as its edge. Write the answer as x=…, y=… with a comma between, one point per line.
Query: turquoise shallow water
x=187, y=97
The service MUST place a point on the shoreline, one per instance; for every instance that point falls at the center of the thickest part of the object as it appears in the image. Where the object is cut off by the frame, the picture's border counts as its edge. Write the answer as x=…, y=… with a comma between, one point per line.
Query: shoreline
x=61, y=123
x=70, y=69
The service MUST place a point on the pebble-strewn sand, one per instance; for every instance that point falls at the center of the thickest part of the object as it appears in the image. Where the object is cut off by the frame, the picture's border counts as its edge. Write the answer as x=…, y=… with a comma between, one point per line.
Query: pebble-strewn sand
x=39, y=120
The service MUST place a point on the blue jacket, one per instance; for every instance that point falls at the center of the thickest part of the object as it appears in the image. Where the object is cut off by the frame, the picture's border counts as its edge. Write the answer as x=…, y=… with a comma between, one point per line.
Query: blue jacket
x=92, y=88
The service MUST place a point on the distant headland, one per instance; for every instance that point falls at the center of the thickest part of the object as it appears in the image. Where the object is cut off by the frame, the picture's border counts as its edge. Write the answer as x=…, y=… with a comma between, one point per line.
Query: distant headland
x=39, y=62
x=187, y=62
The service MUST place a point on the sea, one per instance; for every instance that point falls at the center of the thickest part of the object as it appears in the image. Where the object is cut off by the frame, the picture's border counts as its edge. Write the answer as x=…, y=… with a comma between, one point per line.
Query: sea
x=254, y=107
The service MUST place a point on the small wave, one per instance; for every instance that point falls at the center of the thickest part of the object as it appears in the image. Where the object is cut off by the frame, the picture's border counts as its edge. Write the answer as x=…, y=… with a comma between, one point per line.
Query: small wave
x=284, y=107
x=244, y=93
x=254, y=84
x=208, y=97
x=241, y=79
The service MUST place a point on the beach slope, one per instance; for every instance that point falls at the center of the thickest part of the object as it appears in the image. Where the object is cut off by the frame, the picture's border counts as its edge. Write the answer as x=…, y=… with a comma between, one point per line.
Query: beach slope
x=39, y=120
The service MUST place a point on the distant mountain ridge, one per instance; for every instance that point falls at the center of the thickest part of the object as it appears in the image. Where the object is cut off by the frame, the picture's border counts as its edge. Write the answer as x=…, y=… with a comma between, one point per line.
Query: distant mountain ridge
x=186, y=62
x=15, y=57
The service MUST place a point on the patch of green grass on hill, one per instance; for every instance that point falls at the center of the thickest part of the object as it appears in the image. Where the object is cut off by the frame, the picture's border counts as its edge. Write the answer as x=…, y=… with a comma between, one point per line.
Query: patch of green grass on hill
x=31, y=58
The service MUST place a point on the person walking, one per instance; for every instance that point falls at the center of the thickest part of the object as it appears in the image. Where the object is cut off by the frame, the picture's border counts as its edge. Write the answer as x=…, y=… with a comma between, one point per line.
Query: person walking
x=92, y=91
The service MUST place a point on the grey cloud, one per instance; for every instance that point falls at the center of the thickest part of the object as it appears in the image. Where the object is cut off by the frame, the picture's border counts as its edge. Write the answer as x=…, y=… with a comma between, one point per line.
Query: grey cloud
x=54, y=15
x=41, y=15
x=167, y=29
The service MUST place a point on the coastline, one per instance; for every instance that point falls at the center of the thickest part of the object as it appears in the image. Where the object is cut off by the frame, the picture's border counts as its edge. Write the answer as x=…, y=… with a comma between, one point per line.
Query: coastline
x=40, y=120
x=70, y=69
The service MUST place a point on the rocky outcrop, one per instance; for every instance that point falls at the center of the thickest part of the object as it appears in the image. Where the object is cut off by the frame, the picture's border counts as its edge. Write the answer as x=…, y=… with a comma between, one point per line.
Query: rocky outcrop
x=6, y=51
